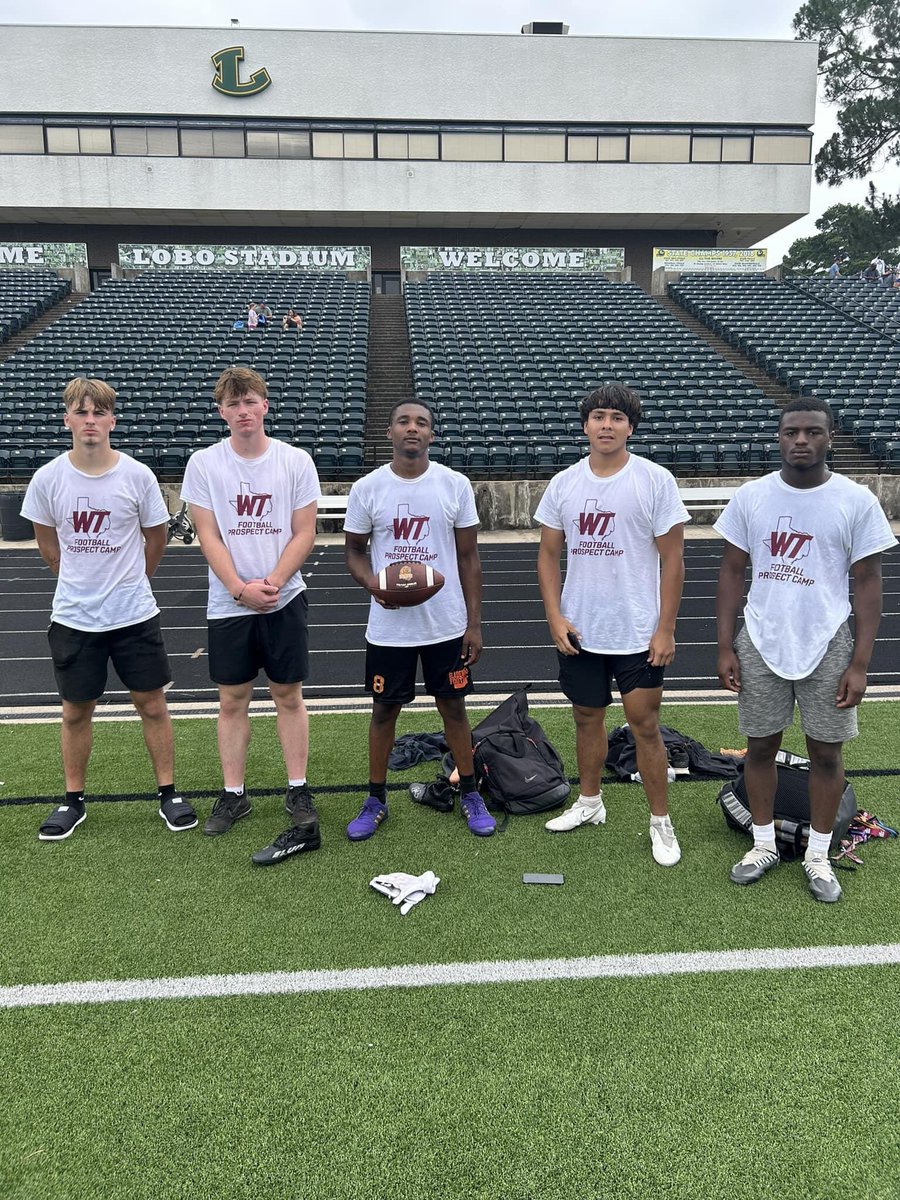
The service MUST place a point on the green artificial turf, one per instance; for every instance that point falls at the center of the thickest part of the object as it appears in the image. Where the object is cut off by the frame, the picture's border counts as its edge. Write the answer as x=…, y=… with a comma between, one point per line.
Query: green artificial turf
x=748, y=1086
x=126, y=898
x=739, y=1087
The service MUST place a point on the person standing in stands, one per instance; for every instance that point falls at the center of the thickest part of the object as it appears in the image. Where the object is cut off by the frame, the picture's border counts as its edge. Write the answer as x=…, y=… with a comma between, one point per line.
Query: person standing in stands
x=802, y=529
x=100, y=523
x=622, y=522
x=412, y=508
x=834, y=271
x=253, y=503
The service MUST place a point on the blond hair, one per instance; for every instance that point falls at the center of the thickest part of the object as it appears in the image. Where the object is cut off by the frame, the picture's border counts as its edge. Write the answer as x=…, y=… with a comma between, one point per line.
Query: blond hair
x=80, y=389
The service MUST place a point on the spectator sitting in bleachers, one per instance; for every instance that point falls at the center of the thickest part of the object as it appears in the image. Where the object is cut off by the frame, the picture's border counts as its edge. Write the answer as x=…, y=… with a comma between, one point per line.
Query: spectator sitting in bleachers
x=252, y=318
x=292, y=320
x=263, y=312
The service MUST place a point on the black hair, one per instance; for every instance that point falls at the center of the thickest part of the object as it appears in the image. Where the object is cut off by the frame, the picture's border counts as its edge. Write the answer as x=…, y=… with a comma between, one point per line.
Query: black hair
x=809, y=404
x=613, y=395
x=418, y=403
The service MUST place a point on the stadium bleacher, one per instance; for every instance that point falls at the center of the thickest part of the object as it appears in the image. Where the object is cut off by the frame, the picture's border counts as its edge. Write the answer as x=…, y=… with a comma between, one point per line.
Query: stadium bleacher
x=503, y=360
x=24, y=295
x=162, y=340
x=810, y=345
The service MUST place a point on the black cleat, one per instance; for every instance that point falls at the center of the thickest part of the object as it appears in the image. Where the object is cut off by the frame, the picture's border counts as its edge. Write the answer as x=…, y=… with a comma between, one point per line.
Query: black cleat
x=299, y=806
x=226, y=810
x=294, y=840
x=438, y=795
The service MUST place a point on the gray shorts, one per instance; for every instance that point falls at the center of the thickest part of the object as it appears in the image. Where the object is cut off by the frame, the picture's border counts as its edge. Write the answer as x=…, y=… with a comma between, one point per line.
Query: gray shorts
x=766, y=701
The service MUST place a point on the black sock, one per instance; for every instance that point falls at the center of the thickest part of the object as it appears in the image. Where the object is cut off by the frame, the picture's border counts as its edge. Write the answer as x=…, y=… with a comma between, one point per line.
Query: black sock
x=75, y=798
x=379, y=791
x=466, y=784
x=167, y=791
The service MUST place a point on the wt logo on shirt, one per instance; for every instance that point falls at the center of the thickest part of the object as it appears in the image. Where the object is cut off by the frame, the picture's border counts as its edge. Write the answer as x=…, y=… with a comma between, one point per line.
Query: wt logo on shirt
x=252, y=504
x=408, y=527
x=87, y=519
x=786, y=542
x=594, y=521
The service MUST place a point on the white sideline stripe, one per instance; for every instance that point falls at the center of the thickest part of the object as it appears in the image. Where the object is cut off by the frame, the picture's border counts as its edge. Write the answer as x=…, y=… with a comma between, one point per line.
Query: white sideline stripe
x=535, y=970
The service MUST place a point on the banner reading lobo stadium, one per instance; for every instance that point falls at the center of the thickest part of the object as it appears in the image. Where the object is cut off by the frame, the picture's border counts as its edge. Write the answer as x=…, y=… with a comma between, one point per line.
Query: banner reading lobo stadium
x=312, y=258
x=708, y=259
x=512, y=258
x=43, y=254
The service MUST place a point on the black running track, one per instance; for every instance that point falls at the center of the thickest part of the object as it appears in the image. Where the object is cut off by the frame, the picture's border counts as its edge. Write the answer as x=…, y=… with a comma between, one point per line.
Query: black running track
x=515, y=634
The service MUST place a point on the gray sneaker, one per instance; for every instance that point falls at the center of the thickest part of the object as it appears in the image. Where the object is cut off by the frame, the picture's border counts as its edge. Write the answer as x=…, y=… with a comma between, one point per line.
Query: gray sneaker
x=754, y=865
x=226, y=810
x=822, y=881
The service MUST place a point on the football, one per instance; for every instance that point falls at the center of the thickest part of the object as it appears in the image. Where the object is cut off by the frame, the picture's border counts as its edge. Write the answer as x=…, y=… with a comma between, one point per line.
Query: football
x=404, y=584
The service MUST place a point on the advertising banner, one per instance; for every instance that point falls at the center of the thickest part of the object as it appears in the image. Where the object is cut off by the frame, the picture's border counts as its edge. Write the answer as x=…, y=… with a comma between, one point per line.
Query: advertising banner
x=302, y=258
x=710, y=258
x=43, y=254
x=512, y=258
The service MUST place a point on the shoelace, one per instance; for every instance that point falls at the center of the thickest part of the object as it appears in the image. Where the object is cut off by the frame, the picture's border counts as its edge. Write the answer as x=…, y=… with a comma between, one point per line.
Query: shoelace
x=285, y=839
x=475, y=805
x=757, y=855
x=819, y=867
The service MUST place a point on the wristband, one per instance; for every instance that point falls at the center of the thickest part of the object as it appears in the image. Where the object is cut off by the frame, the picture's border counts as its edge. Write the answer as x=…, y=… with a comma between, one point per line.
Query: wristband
x=237, y=598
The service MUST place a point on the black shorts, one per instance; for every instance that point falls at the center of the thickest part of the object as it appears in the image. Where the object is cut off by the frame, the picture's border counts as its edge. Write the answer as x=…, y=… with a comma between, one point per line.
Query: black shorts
x=277, y=643
x=391, y=671
x=81, y=658
x=586, y=678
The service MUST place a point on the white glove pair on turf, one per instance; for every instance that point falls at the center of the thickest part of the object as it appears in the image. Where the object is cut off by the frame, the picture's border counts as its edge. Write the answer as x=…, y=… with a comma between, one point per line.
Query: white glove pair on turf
x=405, y=890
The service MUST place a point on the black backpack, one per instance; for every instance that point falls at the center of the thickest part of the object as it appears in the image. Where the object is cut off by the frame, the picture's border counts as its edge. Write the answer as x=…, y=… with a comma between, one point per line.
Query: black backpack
x=517, y=769
x=791, y=806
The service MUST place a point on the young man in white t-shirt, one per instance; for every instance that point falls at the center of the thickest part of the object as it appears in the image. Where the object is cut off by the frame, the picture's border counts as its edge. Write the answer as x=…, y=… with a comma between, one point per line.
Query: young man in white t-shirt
x=622, y=523
x=414, y=509
x=100, y=523
x=253, y=502
x=803, y=529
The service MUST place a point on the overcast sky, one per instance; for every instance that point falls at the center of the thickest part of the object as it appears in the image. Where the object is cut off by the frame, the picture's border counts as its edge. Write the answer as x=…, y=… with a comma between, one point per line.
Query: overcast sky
x=664, y=18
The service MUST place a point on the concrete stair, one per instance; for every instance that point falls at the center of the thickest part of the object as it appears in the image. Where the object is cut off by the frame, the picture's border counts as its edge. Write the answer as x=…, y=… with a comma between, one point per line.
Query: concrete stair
x=18, y=340
x=389, y=373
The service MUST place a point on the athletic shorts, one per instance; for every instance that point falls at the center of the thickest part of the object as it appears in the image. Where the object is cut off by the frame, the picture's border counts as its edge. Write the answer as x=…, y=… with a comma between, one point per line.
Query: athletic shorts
x=80, y=659
x=586, y=678
x=766, y=701
x=276, y=642
x=391, y=671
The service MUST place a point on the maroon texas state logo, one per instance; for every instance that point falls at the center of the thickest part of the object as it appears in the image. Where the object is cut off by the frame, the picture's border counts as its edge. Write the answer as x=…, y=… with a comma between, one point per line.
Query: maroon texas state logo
x=595, y=522
x=408, y=527
x=248, y=503
x=87, y=519
x=786, y=542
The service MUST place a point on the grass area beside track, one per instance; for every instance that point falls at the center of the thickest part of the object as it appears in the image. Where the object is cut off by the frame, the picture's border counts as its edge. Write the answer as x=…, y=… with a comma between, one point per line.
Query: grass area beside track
x=759, y=1085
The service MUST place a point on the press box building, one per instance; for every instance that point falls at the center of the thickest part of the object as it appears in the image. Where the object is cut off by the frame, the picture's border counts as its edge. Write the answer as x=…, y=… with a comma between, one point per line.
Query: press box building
x=198, y=136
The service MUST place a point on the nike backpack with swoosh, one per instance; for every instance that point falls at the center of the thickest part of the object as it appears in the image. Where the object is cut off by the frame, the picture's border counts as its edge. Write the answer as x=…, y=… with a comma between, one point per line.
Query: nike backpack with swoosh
x=517, y=768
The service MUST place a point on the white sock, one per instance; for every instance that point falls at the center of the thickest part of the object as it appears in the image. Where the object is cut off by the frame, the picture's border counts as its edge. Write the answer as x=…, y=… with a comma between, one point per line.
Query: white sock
x=658, y=822
x=591, y=801
x=238, y=791
x=819, y=843
x=297, y=782
x=764, y=835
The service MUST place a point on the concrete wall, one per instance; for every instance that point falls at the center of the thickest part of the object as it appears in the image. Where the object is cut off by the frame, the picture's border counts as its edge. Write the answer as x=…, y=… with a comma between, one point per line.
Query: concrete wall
x=424, y=76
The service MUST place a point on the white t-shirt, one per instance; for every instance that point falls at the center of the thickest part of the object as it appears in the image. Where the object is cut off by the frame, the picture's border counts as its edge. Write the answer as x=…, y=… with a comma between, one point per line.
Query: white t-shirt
x=802, y=543
x=414, y=520
x=611, y=592
x=253, y=501
x=98, y=519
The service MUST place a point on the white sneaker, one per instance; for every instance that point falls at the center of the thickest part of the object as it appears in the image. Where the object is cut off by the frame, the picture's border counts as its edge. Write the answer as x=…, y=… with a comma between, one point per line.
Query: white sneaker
x=579, y=814
x=664, y=844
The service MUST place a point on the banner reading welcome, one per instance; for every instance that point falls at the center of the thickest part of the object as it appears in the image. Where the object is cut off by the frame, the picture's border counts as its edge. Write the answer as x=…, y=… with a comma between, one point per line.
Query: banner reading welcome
x=710, y=258
x=312, y=258
x=43, y=254
x=512, y=258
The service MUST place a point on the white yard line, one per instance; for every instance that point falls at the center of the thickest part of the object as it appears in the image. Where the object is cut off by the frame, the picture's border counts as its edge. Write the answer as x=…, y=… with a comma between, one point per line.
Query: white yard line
x=540, y=970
